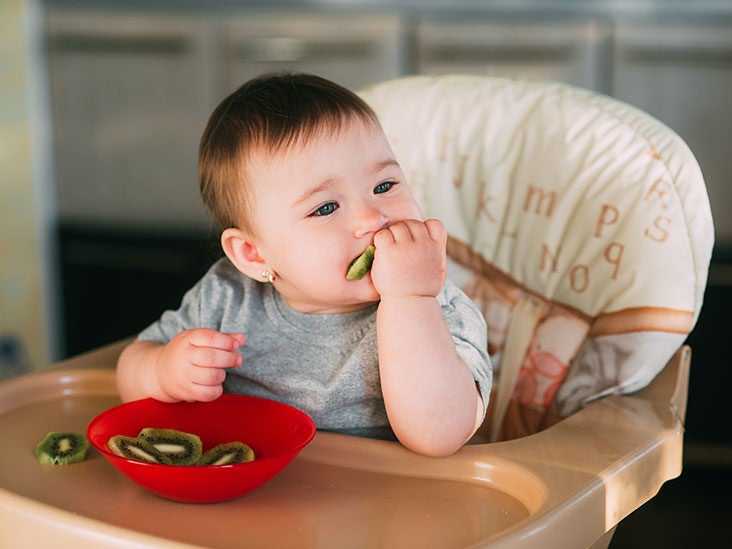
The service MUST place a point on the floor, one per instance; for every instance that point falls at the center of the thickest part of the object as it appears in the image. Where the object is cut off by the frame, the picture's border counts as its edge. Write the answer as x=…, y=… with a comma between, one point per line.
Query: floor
x=693, y=510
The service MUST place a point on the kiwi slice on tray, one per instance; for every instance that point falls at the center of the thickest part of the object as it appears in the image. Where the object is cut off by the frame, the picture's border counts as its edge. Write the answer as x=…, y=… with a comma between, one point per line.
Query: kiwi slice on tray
x=62, y=448
x=182, y=448
x=361, y=265
x=227, y=454
x=138, y=449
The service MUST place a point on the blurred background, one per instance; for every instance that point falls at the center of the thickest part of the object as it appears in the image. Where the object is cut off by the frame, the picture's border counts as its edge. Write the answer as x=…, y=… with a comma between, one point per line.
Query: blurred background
x=102, y=104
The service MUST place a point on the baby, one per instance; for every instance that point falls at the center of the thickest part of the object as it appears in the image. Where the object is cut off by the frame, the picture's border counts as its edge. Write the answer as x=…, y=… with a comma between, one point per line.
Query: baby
x=298, y=172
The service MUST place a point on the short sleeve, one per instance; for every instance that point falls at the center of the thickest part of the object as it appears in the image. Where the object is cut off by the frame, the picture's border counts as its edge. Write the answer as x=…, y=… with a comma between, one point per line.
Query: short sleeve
x=470, y=334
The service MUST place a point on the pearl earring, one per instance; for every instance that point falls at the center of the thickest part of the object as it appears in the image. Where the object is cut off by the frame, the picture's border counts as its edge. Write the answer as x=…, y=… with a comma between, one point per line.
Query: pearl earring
x=269, y=277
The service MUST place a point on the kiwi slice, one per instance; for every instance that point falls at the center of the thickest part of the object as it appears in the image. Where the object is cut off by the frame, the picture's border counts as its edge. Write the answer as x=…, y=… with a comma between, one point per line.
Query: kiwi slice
x=138, y=449
x=227, y=454
x=182, y=448
x=62, y=448
x=361, y=265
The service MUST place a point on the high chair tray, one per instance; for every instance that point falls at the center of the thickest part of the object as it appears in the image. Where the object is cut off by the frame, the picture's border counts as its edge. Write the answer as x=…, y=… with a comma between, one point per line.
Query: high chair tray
x=340, y=491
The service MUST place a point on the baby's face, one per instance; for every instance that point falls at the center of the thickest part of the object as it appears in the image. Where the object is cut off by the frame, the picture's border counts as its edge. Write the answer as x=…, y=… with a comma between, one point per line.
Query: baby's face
x=318, y=207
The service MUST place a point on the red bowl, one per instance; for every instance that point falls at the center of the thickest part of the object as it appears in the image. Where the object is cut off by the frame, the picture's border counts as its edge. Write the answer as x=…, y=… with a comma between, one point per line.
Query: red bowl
x=276, y=432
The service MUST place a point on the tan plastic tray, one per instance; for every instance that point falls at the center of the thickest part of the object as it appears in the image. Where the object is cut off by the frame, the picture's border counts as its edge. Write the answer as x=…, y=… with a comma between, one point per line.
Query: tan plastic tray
x=564, y=487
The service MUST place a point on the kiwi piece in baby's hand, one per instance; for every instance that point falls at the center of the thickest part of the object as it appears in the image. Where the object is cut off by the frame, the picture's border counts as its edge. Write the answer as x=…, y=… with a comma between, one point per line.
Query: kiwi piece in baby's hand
x=138, y=449
x=62, y=448
x=182, y=448
x=361, y=265
x=227, y=454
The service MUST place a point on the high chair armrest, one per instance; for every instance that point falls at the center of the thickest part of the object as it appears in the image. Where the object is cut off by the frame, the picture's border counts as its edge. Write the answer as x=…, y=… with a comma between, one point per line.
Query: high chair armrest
x=602, y=463
x=672, y=383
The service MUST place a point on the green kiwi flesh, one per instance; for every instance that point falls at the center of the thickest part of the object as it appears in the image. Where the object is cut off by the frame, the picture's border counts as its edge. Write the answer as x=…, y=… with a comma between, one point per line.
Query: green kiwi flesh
x=58, y=448
x=361, y=265
x=227, y=454
x=138, y=449
x=182, y=448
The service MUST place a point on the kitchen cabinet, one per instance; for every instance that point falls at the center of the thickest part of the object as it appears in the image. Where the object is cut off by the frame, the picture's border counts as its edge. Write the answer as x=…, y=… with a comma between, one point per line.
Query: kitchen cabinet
x=569, y=51
x=131, y=90
x=131, y=93
x=353, y=49
x=130, y=96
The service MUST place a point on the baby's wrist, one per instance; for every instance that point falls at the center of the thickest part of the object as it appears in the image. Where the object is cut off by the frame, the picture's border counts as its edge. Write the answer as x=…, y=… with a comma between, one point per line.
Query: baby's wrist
x=406, y=291
x=407, y=299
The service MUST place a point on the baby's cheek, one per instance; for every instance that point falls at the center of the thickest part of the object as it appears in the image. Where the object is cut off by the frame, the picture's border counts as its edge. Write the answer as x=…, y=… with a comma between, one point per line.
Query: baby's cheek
x=308, y=262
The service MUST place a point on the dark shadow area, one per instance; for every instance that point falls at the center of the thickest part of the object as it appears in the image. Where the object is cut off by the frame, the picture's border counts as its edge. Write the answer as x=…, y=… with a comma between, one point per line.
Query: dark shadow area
x=690, y=511
x=116, y=281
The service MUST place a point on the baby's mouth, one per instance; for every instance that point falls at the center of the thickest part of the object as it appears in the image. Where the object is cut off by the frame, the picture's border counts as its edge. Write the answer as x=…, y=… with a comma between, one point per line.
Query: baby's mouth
x=361, y=265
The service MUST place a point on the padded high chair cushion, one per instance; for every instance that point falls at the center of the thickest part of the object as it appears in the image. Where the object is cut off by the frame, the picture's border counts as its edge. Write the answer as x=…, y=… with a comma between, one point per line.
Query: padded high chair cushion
x=579, y=224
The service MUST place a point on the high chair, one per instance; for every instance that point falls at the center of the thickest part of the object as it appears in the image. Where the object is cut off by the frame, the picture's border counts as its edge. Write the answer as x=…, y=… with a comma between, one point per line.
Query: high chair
x=581, y=227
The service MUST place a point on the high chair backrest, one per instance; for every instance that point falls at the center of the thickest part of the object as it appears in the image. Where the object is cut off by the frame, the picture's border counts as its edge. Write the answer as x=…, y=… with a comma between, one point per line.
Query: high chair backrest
x=579, y=224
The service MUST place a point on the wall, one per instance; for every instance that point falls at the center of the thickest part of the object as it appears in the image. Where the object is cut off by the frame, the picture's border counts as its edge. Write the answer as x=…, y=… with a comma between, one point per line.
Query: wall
x=22, y=294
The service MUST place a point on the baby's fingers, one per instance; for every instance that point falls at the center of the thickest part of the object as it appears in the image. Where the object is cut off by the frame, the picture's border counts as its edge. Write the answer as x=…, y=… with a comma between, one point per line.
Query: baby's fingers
x=205, y=337
x=204, y=393
x=201, y=384
x=436, y=230
x=208, y=377
x=209, y=357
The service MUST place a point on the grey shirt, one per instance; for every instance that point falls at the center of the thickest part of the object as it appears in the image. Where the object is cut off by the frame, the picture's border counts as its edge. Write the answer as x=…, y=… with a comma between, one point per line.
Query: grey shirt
x=325, y=365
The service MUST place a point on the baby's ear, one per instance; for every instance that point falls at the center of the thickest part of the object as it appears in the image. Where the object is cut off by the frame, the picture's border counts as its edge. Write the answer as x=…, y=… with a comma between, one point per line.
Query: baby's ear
x=242, y=252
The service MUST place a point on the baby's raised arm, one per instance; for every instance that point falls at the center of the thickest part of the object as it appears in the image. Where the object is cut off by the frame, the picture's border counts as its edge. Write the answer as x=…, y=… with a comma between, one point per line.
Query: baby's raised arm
x=190, y=367
x=431, y=398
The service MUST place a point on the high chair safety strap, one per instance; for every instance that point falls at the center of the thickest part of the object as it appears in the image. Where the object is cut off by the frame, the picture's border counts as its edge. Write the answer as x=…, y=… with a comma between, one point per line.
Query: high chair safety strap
x=525, y=316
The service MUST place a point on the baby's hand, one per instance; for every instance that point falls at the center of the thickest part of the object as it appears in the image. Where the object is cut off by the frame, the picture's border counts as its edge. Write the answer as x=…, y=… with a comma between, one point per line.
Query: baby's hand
x=191, y=366
x=410, y=259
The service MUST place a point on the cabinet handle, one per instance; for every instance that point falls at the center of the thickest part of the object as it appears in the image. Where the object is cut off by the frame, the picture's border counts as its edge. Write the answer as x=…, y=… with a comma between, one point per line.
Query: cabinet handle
x=294, y=50
x=140, y=45
x=642, y=53
x=461, y=53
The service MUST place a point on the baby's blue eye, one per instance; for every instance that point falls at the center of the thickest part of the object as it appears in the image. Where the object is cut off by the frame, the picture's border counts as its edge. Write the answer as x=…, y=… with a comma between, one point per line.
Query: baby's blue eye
x=383, y=187
x=326, y=209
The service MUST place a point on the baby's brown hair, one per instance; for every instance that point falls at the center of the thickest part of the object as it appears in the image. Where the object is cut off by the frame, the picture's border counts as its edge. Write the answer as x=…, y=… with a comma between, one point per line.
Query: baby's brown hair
x=267, y=114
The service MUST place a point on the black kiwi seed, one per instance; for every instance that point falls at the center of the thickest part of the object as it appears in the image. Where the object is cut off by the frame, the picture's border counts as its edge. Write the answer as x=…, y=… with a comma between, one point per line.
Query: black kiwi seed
x=62, y=448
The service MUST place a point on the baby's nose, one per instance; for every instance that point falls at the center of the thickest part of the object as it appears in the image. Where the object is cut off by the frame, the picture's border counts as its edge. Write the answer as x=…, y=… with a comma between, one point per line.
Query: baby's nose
x=370, y=220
